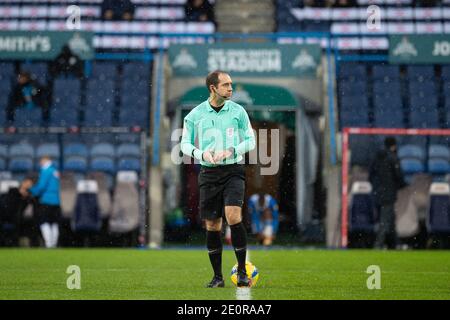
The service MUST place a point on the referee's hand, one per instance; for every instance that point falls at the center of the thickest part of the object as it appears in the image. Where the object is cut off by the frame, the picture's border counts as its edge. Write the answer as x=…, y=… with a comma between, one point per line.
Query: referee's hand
x=219, y=156
x=208, y=157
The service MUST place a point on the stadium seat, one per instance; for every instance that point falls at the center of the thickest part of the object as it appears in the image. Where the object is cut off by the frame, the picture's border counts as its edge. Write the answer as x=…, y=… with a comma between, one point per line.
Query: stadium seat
x=102, y=164
x=424, y=118
x=438, y=166
x=4, y=150
x=66, y=98
x=132, y=88
x=438, y=218
x=354, y=119
x=362, y=150
x=3, y=157
x=362, y=208
x=98, y=117
x=104, y=70
x=24, y=118
x=125, y=210
x=127, y=149
x=38, y=71
x=103, y=194
x=2, y=164
x=75, y=164
x=64, y=117
x=86, y=216
x=445, y=73
x=439, y=157
x=102, y=149
x=411, y=151
x=352, y=72
x=424, y=112
x=75, y=149
x=420, y=73
x=352, y=88
x=48, y=149
x=354, y=103
x=439, y=151
x=68, y=194
x=422, y=89
x=129, y=164
x=135, y=101
x=385, y=73
x=21, y=149
x=8, y=71
x=411, y=166
x=388, y=118
x=129, y=118
x=136, y=71
x=20, y=164
x=392, y=89
x=63, y=86
x=100, y=92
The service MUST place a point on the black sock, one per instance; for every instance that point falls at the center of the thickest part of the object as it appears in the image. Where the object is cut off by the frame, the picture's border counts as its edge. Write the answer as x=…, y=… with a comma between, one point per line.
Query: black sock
x=239, y=242
x=214, y=245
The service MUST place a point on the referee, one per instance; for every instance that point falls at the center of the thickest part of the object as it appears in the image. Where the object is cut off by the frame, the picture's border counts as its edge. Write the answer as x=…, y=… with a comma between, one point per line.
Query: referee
x=224, y=134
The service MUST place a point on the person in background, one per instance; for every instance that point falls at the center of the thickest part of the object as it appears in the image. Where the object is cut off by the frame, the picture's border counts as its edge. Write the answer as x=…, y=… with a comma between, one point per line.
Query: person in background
x=318, y=3
x=118, y=10
x=387, y=178
x=344, y=3
x=199, y=11
x=263, y=209
x=27, y=209
x=27, y=94
x=47, y=190
x=427, y=3
x=67, y=63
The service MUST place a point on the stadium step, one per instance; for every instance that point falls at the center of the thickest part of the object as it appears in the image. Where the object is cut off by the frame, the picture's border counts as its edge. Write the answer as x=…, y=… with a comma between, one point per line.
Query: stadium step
x=245, y=16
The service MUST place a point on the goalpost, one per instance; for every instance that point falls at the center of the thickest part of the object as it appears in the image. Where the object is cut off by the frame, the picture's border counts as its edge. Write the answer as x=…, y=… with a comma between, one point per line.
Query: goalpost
x=346, y=132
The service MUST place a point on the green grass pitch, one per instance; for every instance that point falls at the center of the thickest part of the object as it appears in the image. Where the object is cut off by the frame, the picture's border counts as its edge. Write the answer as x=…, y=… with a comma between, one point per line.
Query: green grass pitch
x=181, y=274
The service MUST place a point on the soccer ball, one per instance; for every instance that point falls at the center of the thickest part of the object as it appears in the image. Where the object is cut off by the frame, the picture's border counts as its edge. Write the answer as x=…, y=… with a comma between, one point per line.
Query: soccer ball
x=252, y=273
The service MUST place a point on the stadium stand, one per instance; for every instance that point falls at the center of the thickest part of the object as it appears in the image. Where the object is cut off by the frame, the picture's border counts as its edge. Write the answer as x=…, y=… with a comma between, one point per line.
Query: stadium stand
x=165, y=16
x=398, y=17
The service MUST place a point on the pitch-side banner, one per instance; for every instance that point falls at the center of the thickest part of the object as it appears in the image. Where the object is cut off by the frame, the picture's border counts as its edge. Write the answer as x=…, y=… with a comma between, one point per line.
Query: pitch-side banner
x=44, y=45
x=249, y=60
x=423, y=49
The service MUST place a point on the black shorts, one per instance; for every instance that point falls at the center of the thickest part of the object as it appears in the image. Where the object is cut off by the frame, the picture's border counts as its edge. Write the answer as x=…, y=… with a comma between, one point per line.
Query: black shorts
x=49, y=214
x=219, y=187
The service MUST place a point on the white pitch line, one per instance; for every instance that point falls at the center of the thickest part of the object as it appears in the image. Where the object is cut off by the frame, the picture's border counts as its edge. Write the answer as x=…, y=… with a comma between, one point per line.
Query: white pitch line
x=244, y=293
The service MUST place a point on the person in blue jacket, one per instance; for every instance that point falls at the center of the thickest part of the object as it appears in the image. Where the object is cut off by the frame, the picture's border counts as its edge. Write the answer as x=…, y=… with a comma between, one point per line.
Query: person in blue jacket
x=47, y=191
x=263, y=209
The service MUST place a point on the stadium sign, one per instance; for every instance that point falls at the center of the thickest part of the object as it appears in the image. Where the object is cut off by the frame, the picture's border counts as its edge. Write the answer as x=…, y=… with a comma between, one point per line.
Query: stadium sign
x=44, y=45
x=247, y=59
x=423, y=49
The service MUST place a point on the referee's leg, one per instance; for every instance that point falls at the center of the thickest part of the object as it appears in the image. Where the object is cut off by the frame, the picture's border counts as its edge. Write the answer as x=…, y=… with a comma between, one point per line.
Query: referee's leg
x=238, y=234
x=214, y=245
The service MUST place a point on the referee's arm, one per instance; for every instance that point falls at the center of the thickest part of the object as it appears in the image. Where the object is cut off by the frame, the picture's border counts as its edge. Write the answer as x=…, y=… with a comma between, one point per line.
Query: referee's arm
x=248, y=137
x=188, y=139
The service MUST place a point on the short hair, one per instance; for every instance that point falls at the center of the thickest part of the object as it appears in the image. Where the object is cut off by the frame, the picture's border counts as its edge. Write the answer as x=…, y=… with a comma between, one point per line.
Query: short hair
x=390, y=142
x=213, y=78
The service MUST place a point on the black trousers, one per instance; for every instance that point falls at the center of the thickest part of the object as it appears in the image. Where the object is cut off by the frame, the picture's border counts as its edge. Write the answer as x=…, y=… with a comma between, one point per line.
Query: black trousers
x=386, y=229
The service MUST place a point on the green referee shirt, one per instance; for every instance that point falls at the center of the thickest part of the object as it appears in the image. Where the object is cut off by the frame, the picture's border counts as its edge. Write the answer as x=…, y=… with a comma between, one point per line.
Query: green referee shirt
x=217, y=131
